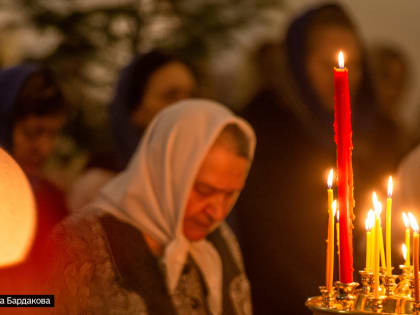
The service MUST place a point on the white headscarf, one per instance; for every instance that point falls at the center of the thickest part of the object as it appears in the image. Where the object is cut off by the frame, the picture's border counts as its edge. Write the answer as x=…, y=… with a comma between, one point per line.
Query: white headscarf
x=151, y=194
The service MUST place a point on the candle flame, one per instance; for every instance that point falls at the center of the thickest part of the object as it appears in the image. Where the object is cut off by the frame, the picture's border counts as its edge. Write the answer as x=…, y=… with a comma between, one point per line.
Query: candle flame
x=378, y=209
x=341, y=59
x=338, y=215
x=367, y=224
x=334, y=207
x=376, y=204
x=406, y=221
x=390, y=186
x=330, y=178
x=413, y=222
x=404, y=251
x=374, y=198
x=371, y=219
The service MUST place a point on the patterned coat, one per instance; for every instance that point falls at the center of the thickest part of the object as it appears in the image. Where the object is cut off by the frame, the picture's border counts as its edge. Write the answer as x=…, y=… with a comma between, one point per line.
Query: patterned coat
x=102, y=265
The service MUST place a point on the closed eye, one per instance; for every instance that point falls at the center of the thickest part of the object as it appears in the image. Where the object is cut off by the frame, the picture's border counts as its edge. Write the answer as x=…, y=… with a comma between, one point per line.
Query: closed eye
x=204, y=189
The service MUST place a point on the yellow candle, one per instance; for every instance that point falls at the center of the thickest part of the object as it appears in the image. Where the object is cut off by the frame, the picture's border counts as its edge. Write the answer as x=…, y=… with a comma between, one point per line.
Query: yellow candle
x=368, y=250
x=368, y=236
x=416, y=265
x=407, y=238
x=371, y=217
x=381, y=247
x=415, y=228
x=338, y=234
x=378, y=210
x=330, y=242
x=369, y=224
x=388, y=227
x=376, y=259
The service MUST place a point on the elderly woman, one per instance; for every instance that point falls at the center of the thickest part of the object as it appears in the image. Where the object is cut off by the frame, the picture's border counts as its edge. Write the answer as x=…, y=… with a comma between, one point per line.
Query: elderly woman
x=154, y=241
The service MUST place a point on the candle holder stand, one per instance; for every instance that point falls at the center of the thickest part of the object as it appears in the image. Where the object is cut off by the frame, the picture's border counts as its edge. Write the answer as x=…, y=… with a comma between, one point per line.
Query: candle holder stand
x=396, y=294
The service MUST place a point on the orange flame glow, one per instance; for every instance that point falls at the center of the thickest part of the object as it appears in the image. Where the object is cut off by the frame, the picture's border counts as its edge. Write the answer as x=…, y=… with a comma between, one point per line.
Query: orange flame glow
x=370, y=220
x=376, y=204
x=330, y=178
x=390, y=186
x=341, y=59
x=404, y=251
x=406, y=221
x=413, y=222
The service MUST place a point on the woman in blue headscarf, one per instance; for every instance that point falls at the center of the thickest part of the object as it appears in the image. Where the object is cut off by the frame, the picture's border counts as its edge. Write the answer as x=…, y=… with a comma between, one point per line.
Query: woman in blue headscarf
x=32, y=113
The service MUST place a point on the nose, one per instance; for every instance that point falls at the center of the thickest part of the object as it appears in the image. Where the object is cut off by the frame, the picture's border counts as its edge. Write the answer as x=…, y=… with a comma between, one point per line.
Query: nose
x=45, y=145
x=216, y=209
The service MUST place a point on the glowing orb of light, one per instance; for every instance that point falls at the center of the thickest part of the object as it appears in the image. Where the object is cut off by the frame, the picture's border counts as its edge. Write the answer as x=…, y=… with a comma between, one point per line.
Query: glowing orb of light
x=17, y=212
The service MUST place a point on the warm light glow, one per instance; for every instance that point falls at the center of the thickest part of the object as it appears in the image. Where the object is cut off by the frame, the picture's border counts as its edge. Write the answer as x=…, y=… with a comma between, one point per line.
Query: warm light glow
x=374, y=199
x=378, y=209
x=404, y=251
x=390, y=186
x=334, y=207
x=413, y=222
x=330, y=178
x=341, y=59
x=17, y=215
x=338, y=215
x=371, y=219
x=376, y=204
x=406, y=221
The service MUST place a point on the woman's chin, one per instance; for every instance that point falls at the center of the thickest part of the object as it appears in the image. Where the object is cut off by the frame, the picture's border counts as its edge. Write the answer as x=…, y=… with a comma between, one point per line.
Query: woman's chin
x=195, y=235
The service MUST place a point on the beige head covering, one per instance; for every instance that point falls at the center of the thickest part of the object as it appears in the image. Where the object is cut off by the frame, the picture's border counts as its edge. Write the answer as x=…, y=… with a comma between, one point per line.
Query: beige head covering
x=152, y=192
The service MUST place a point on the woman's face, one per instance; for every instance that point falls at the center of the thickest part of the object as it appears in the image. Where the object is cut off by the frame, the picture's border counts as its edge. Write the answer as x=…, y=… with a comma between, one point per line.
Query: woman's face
x=218, y=182
x=324, y=43
x=34, y=138
x=167, y=85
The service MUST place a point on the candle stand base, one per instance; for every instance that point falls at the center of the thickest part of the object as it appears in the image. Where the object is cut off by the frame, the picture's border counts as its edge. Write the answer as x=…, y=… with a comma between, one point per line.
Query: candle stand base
x=416, y=308
x=395, y=296
x=375, y=305
x=365, y=305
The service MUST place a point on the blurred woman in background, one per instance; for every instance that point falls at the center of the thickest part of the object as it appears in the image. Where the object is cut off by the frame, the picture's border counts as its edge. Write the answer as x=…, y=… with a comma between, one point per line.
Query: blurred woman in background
x=151, y=82
x=32, y=114
x=279, y=219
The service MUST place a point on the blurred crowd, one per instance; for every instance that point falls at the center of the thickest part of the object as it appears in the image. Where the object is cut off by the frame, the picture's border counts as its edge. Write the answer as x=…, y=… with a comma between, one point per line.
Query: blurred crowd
x=278, y=216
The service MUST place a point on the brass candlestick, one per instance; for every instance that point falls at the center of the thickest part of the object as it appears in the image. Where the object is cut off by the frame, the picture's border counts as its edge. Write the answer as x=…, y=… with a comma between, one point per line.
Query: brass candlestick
x=403, y=288
x=346, y=294
x=389, y=283
x=365, y=279
x=328, y=297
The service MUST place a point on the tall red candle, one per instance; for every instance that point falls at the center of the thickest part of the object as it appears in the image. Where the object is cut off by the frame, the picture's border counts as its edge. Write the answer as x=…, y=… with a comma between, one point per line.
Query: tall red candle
x=343, y=139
